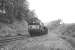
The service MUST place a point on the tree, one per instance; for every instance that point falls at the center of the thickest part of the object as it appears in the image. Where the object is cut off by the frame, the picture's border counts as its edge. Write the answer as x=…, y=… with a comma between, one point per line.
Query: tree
x=16, y=10
x=54, y=24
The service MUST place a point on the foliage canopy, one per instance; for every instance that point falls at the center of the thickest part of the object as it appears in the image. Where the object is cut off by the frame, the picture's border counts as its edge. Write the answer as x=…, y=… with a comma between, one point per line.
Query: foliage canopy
x=15, y=10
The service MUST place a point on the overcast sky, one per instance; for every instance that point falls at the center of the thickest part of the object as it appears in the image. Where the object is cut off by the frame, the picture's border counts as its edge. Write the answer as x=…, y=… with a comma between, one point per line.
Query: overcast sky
x=48, y=10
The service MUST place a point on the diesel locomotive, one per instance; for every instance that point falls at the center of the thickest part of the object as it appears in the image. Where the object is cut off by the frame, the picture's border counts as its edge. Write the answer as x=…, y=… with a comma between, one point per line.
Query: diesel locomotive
x=37, y=28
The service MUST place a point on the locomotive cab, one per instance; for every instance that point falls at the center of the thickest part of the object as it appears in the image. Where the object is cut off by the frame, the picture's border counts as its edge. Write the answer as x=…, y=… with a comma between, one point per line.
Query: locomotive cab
x=37, y=28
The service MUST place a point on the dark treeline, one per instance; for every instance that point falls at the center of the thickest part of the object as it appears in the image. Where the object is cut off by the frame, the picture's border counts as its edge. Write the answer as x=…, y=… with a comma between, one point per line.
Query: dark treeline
x=15, y=10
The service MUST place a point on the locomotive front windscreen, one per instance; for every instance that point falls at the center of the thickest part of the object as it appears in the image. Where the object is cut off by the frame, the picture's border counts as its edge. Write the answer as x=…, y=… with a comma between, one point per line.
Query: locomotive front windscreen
x=34, y=26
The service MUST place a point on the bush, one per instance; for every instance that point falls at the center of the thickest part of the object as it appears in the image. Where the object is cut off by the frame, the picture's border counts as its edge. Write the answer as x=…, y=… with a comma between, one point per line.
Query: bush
x=53, y=25
x=67, y=32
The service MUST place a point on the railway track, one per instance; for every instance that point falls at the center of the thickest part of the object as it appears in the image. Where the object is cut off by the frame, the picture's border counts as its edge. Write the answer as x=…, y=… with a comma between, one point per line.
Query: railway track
x=6, y=40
